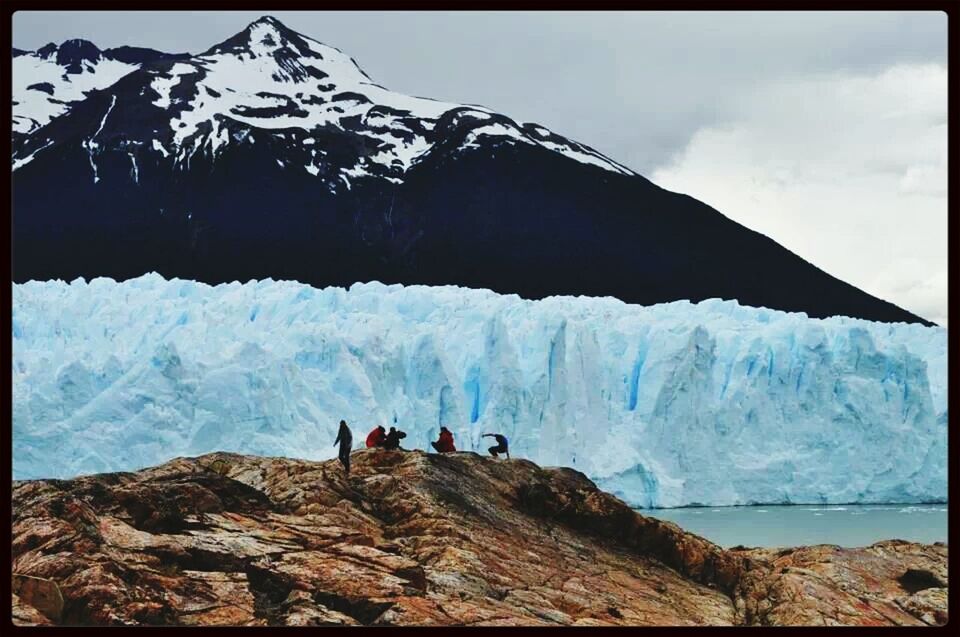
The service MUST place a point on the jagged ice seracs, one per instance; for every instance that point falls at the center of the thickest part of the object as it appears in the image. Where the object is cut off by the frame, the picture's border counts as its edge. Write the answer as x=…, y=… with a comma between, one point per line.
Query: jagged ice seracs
x=675, y=404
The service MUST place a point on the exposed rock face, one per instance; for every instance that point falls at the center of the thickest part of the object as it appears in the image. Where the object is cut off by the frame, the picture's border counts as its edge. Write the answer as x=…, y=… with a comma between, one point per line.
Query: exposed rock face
x=35, y=595
x=411, y=538
x=891, y=582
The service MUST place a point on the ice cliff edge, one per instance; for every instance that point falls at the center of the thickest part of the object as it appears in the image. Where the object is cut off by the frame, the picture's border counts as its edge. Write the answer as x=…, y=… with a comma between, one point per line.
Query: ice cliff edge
x=673, y=404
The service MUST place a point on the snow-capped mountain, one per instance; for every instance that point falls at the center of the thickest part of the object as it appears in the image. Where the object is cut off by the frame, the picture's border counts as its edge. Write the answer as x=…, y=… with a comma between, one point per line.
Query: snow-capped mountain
x=273, y=155
x=287, y=86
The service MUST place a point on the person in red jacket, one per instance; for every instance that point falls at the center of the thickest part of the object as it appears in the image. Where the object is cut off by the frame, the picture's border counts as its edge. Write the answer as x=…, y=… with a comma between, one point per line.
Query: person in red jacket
x=376, y=437
x=445, y=443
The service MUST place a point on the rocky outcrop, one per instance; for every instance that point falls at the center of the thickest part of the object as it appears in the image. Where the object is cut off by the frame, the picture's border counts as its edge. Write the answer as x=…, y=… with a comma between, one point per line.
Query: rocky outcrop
x=414, y=539
x=892, y=582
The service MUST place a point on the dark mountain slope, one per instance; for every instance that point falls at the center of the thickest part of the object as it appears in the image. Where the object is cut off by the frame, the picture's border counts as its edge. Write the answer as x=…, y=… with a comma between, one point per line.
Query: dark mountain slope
x=272, y=155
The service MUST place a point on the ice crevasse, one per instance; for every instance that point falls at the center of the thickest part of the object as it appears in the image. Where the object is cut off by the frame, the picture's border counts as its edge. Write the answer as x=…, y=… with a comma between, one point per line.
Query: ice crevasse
x=675, y=404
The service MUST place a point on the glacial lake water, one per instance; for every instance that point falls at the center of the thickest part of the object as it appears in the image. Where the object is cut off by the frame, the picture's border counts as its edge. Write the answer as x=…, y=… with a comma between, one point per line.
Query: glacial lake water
x=845, y=525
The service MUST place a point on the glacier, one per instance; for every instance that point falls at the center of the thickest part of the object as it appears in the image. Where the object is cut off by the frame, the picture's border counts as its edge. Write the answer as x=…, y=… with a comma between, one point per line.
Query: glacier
x=708, y=403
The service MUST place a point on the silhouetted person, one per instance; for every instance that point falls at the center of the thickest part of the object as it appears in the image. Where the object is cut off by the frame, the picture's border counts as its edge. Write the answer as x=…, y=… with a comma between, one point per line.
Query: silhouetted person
x=445, y=443
x=345, y=439
x=376, y=437
x=393, y=438
x=502, y=445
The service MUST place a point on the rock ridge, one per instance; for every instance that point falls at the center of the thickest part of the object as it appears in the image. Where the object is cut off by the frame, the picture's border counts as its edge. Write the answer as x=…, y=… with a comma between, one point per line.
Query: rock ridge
x=419, y=539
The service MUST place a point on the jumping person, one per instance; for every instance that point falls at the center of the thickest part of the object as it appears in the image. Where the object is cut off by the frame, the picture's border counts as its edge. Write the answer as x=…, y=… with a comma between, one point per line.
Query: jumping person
x=445, y=443
x=392, y=440
x=376, y=437
x=502, y=445
x=345, y=439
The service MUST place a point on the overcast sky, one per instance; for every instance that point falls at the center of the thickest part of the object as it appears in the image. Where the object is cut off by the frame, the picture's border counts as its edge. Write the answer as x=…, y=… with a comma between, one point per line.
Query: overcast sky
x=825, y=131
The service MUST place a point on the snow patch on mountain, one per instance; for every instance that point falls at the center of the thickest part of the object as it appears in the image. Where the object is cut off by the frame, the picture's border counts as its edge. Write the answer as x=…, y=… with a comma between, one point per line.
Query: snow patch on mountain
x=673, y=404
x=44, y=89
x=92, y=146
x=494, y=130
x=23, y=161
x=165, y=82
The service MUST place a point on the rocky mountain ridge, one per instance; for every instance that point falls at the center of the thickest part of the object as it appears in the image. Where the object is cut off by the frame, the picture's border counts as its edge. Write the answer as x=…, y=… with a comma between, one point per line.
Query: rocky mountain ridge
x=52, y=78
x=417, y=539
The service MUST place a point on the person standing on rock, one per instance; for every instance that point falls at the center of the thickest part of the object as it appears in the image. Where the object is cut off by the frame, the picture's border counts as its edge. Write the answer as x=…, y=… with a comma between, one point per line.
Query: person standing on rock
x=393, y=438
x=445, y=443
x=502, y=445
x=345, y=439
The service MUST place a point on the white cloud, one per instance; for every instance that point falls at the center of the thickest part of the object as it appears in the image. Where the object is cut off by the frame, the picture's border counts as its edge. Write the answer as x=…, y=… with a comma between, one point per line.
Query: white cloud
x=849, y=171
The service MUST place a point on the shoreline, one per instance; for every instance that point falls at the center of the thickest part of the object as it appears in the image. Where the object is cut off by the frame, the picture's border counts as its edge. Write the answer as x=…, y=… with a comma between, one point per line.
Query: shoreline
x=791, y=504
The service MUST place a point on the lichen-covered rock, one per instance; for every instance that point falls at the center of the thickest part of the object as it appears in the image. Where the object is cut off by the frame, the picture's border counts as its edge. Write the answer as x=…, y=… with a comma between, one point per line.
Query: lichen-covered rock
x=416, y=539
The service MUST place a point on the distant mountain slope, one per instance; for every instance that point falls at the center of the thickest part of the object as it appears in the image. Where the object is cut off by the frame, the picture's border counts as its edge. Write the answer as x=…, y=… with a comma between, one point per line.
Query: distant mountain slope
x=273, y=155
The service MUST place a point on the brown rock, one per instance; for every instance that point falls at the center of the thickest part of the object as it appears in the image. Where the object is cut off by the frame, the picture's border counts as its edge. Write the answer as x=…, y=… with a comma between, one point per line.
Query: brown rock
x=417, y=539
x=26, y=615
x=827, y=585
x=928, y=605
x=39, y=593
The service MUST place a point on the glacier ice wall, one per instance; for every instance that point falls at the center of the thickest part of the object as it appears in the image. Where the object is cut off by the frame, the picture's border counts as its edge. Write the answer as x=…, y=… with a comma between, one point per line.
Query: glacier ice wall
x=668, y=405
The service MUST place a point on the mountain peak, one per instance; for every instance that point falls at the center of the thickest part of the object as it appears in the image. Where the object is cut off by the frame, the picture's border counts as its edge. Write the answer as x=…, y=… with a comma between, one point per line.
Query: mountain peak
x=71, y=53
x=270, y=20
x=269, y=26
x=47, y=50
x=76, y=50
x=264, y=36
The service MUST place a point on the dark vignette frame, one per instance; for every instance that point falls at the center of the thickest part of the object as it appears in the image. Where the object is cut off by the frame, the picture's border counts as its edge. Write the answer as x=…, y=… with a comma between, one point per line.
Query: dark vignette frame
x=9, y=7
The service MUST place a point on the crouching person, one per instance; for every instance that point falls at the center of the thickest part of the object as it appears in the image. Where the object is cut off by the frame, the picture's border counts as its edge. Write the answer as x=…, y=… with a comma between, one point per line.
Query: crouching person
x=377, y=437
x=445, y=443
x=502, y=445
x=392, y=440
